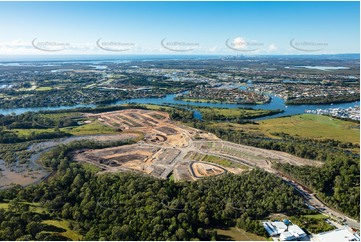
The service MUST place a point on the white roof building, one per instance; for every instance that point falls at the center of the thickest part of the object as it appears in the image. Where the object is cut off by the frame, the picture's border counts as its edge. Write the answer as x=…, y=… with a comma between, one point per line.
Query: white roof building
x=296, y=231
x=286, y=236
x=344, y=234
x=286, y=233
x=274, y=228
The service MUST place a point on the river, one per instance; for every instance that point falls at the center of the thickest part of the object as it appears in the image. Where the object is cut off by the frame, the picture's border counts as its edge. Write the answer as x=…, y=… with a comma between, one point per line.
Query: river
x=276, y=103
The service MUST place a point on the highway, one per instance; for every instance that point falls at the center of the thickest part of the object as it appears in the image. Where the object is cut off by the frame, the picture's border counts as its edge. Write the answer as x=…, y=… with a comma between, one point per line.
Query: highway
x=309, y=198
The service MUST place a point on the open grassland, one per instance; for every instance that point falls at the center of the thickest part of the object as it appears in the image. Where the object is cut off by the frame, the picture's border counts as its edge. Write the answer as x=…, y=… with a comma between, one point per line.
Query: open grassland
x=313, y=126
x=63, y=224
x=95, y=127
x=28, y=132
x=316, y=216
x=303, y=126
x=232, y=113
x=157, y=107
x=237, y=234
x=59, y=116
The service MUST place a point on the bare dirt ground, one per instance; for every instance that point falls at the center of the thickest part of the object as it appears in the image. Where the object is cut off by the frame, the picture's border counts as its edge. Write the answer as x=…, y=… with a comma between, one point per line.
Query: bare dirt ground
x=174, y=141
x=185, y=139
x=151, y=123
x=149, y=159
x=203, y=169
x=252, y=156
x=165, y=149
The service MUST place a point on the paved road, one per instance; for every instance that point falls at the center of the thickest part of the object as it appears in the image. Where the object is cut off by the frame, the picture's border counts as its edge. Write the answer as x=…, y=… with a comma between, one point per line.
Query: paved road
x=314, y=201
x=310, y=198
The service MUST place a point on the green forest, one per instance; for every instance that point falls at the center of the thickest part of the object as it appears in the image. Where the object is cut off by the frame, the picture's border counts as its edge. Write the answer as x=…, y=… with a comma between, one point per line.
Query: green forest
x=336, y=182
x=324, y=100
x=129, y=206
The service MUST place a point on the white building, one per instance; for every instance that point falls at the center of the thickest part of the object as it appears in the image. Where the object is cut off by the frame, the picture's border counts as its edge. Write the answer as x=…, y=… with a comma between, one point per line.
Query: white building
x=296, y=231
x=286, y=236
x=274, y=228
x=286, y=233
x=344, y=234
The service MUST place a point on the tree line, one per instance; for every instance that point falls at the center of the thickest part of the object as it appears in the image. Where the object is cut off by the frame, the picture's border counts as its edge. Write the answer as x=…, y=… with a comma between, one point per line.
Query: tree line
x=130, y=206
x=324, y=100
x=337, y=181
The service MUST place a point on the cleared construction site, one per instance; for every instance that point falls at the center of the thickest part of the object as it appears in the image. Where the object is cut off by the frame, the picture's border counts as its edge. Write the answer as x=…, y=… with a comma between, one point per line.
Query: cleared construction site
x=170, y=148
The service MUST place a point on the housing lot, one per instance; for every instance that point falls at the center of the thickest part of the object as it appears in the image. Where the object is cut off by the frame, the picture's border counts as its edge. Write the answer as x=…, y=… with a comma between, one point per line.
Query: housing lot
x=172, y=148
x=252, y=156
x=203, y=169
x=142, y=158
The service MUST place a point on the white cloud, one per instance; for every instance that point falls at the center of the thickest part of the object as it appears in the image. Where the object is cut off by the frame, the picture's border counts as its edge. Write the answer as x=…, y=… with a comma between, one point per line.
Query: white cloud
x=240, y=43
x=272, y=47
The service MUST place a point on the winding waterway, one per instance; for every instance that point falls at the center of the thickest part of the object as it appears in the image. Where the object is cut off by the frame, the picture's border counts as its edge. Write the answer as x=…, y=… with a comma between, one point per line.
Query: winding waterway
x=276, y=103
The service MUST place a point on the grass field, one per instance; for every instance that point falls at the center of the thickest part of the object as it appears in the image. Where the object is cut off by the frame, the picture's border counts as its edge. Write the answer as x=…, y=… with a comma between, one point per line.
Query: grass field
x=316, y=216
x=28, y=132
x=238, y=234
x=210, y=114
x=156, y=107
x=304, y=126
x=313, y=126
x=64, y=225
x=95, y=127
x=228, y=112
x=59, y=116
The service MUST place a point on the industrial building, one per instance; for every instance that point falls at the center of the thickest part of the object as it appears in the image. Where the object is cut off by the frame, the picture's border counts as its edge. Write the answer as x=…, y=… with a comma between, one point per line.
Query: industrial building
x=286, y=236
x=285, y=232
x=274, y=228
x=344, y=234
x=293, y=232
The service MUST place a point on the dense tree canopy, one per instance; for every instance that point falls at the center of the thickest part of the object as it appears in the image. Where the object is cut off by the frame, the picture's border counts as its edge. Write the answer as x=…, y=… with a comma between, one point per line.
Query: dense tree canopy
x=337, y=181
x=130, y=206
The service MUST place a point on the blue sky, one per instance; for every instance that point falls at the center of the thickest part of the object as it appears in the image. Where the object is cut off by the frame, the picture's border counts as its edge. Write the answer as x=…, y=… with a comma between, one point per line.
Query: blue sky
x=184, y=27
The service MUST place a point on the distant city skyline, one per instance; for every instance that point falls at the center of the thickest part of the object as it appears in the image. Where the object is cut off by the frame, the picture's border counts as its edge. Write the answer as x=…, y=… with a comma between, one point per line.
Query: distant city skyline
x=179, y=28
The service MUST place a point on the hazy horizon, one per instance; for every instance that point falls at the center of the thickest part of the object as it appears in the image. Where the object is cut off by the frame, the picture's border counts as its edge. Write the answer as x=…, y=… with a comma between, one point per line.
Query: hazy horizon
x=100, y=57
x=167, y=28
